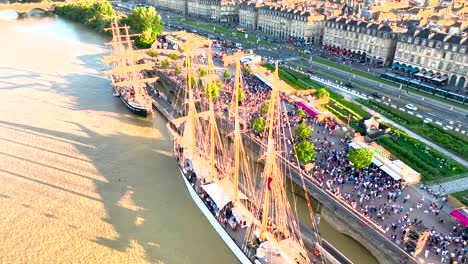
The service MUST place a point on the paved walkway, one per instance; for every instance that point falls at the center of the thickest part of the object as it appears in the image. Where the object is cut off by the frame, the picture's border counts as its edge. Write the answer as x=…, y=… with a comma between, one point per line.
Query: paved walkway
x=453, y=186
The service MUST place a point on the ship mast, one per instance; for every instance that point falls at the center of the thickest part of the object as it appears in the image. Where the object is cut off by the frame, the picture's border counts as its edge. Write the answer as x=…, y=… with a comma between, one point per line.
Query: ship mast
x=210, y=82
x=270, y=160
x=124, y=57
x=237, y=134
x=191, y=102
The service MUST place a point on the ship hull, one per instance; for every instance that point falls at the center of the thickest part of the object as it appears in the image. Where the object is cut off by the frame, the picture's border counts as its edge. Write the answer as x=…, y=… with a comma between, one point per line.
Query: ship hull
x=214, y=223
x=137, y=111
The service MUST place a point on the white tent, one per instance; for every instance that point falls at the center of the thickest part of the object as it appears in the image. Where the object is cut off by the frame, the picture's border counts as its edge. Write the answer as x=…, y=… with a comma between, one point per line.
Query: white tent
x=377, y=162
x=222, y=192
x=391, y=172
x=354, y=145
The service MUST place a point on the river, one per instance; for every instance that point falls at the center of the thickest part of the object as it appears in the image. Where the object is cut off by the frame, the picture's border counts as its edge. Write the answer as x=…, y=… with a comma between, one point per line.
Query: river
x=82, y=179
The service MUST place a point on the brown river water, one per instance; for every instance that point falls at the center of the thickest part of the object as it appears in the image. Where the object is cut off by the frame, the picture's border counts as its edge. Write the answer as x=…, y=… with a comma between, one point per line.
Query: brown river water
x=82, y=180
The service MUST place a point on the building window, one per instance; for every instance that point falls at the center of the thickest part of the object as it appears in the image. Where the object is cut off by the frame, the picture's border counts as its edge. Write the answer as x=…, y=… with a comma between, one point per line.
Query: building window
x=423, y=42
x=441, y=65
x=454, y=48
x=439, y=44
x=412, y=59
x=418, y=60
x=399, y=54
x=428, y=51
x=449, y=67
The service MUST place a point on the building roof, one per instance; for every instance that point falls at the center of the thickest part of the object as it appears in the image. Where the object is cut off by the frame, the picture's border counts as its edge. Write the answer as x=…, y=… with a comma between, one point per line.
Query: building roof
x=454, y=40
x=373, y=26
x=439, y=36
x=386, y=28
x=424, y=33
x=363, y=24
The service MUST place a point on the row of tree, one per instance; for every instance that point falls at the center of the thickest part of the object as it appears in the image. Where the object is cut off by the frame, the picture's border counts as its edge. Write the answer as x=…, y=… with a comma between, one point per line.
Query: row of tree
x=97, y=14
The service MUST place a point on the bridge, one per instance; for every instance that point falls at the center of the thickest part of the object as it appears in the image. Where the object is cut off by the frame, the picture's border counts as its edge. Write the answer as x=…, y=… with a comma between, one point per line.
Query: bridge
x=24, y=8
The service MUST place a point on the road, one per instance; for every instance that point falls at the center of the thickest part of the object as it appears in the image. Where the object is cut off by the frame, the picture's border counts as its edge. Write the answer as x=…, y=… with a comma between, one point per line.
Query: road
x=441, y=113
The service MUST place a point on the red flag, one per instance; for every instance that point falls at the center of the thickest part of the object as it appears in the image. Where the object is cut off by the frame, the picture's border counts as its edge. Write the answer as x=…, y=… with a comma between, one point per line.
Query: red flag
x=269, y=183
x=348, y=118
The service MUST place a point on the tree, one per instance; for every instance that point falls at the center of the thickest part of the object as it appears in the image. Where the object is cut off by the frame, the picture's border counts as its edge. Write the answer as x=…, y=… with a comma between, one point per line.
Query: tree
x=193, y=80
x=246, y=69
x=305, y=151
x=177, y=71
x=322, y=93
x=145, y=21
x=226, y=74
x=173, y=56
x=301, y=113
x=165, y=64
x=201, y=72
x=152, y=53
x=265, y=106
x=303, y=131
x=361, y=157
x=214, y=90
x=241, y=94
x=259, y=124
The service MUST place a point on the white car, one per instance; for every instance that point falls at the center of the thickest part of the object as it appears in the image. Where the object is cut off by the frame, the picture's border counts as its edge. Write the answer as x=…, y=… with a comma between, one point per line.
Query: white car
x=411, y=107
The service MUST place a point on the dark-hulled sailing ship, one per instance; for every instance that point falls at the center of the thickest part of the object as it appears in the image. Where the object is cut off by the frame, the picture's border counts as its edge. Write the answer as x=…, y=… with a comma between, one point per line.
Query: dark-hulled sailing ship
x=127, y=73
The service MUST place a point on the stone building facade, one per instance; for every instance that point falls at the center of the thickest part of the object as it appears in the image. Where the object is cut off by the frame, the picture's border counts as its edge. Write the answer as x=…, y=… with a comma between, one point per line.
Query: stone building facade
x=375, y=42
x=290, y=24
x=443, y=55
x=176, y=6
x=215, y=10
x=248, y=16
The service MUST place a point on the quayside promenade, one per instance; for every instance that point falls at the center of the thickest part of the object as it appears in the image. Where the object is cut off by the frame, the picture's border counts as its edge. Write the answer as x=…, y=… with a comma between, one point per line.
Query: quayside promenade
x=375, y=215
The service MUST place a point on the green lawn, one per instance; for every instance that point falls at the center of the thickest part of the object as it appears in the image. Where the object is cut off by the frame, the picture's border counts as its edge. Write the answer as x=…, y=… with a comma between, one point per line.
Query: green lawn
x=461, y=196
x=296, y=79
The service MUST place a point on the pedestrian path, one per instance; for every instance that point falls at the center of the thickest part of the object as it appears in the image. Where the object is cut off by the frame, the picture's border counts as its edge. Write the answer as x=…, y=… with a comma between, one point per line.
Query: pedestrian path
x=453, y=186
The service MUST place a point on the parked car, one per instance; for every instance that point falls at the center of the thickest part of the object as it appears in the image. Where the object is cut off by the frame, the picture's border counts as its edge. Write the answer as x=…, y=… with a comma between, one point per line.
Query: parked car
x=376, y=95
x=411, y=107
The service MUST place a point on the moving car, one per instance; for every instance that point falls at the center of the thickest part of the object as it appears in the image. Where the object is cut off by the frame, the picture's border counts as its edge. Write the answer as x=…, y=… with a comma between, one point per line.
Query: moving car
x=349, y=85
x=376, y=95
x=411, y=107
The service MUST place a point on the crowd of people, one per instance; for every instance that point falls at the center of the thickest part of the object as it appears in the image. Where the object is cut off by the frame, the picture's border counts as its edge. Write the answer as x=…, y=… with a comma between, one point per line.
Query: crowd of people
x=387, y=202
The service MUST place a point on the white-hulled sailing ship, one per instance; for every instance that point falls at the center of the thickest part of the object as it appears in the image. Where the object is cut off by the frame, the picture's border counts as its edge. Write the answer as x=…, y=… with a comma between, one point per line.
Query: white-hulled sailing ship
x=251, y=213
x=127, y=75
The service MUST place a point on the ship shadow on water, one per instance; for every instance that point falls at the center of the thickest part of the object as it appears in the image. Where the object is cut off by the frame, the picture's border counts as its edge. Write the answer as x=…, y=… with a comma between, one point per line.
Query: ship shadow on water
x=135, y=223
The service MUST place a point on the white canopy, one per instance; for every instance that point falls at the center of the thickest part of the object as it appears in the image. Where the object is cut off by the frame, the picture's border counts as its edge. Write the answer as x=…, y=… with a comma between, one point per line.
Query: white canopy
x=391, y=172
x=377, y=162
x=222, y=192
x=354, y=145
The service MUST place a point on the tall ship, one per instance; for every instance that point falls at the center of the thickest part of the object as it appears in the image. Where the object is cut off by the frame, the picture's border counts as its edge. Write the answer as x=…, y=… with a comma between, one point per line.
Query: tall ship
x=249, y=210
x=127, y=71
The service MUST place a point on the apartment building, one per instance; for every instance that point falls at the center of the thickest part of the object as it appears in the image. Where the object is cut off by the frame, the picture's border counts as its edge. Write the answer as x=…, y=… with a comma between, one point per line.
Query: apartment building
x=374, y=42
x=290, y=24
x=437, y=57
x=176, y=6
x=215, y=10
